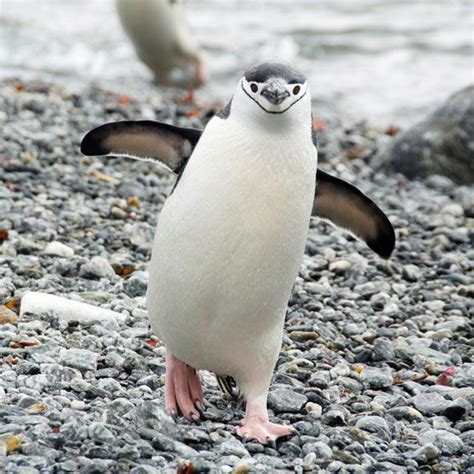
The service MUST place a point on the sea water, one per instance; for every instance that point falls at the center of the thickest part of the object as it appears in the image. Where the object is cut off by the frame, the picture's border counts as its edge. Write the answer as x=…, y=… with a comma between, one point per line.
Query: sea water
x=381, y=60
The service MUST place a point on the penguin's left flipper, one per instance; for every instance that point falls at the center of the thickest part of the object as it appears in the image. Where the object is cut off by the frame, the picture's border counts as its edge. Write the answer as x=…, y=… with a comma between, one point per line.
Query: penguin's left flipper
x=348, y=207
x=143, y=140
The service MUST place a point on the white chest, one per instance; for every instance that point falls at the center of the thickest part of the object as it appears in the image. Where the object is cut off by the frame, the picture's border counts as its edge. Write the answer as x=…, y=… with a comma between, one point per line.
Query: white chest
x=229, y=242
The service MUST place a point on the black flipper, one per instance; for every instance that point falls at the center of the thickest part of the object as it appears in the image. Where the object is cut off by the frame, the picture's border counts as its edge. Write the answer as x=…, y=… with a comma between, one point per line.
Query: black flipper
x=143, y=140
x=346, y=206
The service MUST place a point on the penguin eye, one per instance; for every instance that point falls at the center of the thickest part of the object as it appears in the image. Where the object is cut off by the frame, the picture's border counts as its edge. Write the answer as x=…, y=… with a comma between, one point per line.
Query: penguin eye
x=254, y=87
x=296, y=89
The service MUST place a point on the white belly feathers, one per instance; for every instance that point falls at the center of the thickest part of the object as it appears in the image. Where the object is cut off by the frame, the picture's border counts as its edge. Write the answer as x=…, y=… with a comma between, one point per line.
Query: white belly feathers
x=228, y=246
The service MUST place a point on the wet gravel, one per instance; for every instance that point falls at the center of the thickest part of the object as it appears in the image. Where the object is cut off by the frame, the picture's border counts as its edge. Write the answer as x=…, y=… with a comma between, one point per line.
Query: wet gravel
x=376, y=366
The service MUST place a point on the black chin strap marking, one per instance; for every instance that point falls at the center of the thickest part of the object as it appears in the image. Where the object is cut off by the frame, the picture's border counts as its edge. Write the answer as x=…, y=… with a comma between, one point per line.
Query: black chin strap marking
x=269, y=111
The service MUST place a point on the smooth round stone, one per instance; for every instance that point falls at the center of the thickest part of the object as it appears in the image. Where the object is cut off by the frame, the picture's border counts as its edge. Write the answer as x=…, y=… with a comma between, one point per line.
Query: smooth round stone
x=454, y=209
x=7, y=316
x=464, y=376
x=429, y=402
x=382, y=351
x=339, y=266
x=409, y=413
x=352, y=329
x=446, y=441
x=350, y=384
x=81, y=359
x=304, y=335
x=366, y=289
x=233, y=447
x=78, y=405
x=322, y=450
x=136, y=284
x=99, y=432
x=58, y=249
x=376, y=378
x=411, y=272
x=309, y=460
x=379, y=300
x=429, y=452
x=117, y=213
x=284, y=400
x=97, y=268
x=320, y=379
x=68, y=466
x=289, y=449
x=457, y=409
x=334, y=417
x=340, y=370
x=372, y=424
x=313, y=409
x=128, y=189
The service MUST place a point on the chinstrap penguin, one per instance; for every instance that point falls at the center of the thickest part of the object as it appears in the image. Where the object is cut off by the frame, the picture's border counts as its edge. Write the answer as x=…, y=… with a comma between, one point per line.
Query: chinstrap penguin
x=161, y=38
x=231, y=235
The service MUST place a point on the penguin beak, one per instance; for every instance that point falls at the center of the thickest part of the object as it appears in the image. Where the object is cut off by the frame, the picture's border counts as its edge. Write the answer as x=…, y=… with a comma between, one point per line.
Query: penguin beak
x=275, y=92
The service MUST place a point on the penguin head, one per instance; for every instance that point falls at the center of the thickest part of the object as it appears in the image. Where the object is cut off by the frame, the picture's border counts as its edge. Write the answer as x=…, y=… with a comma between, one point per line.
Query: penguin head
x=273, y=90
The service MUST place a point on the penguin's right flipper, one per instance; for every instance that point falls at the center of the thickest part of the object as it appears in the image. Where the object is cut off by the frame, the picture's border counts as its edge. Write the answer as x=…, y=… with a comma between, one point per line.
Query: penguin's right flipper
x=346, y=206
x=143, y=140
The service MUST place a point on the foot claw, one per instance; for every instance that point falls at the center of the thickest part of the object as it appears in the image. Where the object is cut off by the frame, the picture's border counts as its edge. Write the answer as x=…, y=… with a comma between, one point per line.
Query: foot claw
x=200, y=408
x=245, y=439
x=195, y=419
x=272, y=443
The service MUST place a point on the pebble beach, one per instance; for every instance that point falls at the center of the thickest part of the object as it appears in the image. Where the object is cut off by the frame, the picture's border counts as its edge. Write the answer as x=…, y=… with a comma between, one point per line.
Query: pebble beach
x=375, y=371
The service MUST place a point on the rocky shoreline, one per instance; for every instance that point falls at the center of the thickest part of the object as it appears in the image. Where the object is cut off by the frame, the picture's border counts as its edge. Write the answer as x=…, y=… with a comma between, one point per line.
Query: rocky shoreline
x=376, y=367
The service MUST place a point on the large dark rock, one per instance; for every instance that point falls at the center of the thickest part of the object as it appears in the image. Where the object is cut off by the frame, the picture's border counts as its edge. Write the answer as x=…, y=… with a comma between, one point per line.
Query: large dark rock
x=441, y=144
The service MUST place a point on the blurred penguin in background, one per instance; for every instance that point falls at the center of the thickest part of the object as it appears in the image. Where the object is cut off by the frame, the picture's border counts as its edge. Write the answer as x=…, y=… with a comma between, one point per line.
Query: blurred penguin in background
x=162, y=40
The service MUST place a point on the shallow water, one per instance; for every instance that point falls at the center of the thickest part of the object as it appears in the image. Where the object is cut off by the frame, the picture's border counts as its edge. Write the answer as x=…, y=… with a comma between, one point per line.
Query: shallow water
x=386, y=61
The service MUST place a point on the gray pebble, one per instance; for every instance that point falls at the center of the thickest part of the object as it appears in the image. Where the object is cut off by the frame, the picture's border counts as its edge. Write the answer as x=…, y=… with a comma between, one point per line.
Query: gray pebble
x=376, y=378
x=233, y=447
x=136, y=284
x=372, y=424
x=322, y=451
x=81, y=359
x=411, y=272
x=284, y=400
x=447, y=442
x=457, y=409
x=428, y=452
x=429, y=402
x=97, y=268
x=99, y=432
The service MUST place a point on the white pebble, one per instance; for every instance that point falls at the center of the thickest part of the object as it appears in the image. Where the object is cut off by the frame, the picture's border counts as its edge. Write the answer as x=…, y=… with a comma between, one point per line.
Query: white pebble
x=313, y=409
x=36, y=303
x=78, y=405
x=58, y=249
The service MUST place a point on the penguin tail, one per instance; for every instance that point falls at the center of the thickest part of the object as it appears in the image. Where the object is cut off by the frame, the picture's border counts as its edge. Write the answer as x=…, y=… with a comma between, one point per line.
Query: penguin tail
x=228, y=387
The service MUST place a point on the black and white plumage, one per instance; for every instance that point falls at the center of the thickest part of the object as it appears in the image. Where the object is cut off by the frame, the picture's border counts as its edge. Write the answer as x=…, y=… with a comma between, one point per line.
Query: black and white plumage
x=231, y=237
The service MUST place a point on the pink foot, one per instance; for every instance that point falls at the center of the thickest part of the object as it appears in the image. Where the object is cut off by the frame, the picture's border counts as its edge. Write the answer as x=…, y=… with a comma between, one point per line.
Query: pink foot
x=183, y=391
x=259, y=428
x=256, y=425
x=200, y=74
